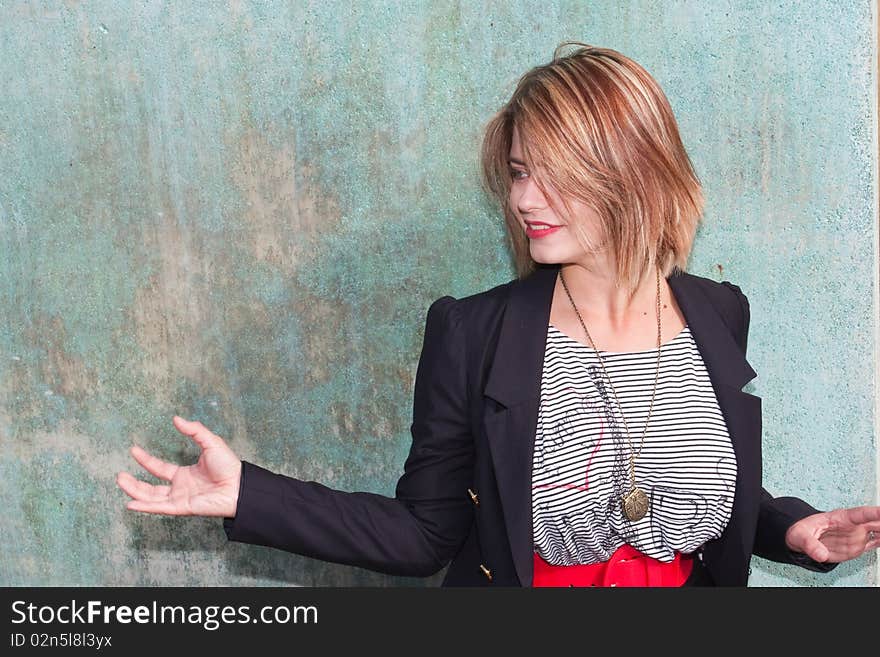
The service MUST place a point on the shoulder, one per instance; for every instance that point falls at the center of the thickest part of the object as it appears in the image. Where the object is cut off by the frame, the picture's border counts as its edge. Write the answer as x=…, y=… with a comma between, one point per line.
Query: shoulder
x=451, y=320
x=727, y=298
x=479, y=308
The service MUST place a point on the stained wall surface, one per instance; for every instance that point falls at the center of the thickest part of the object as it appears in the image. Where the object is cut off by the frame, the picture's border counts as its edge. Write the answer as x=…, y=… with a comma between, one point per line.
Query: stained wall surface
x=241, y=212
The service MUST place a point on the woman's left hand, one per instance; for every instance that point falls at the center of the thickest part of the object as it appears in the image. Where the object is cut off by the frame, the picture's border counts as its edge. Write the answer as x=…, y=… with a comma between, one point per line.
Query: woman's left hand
x=837, y=535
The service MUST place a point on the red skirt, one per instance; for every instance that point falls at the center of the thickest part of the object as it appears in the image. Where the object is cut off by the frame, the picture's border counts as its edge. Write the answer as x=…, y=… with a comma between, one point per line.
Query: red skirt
x=626, y=567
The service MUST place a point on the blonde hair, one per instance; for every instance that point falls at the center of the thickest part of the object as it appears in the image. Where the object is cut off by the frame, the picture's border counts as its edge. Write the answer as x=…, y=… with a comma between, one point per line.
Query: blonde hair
x=602, y=131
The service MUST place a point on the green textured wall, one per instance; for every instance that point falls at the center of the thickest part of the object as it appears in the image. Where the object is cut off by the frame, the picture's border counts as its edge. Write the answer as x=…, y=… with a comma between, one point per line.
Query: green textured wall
x=240, y=213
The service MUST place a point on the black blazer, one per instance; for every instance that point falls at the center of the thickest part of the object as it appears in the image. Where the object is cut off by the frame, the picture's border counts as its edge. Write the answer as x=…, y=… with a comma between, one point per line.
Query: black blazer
x=465, y=494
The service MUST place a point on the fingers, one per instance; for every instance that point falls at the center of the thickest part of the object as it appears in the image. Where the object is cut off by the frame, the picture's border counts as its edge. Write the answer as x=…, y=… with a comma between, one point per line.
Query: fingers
x=197, y=431
x=165, y=508
x=872, y=527
x=146, y=497
x=862, y=514
x=151, y=464
x=872, y=535
x=141, y=490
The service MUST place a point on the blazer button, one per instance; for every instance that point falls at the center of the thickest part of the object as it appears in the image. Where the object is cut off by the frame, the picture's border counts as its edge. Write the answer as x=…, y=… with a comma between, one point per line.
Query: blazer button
x=473, y=497
x=486, y=572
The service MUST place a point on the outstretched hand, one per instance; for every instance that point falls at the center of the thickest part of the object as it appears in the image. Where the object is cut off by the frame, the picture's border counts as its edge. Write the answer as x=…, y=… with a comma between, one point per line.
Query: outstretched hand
x=207, y=488
x=837, y=535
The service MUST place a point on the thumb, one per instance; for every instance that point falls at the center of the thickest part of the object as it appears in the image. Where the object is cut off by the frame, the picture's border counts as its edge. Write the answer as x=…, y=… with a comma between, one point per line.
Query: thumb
x=814, y=548
x=198, y=432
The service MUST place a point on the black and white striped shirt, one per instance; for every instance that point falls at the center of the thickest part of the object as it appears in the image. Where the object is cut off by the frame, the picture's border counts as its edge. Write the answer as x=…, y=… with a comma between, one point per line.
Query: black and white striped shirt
x=687, y=466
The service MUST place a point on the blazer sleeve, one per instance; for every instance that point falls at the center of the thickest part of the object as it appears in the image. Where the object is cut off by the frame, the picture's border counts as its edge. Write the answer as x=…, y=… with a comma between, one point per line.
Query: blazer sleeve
x=416, y=532
x=776, y=514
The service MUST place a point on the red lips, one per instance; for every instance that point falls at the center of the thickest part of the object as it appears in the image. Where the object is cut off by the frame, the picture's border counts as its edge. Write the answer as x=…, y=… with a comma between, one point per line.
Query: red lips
x=538, y=233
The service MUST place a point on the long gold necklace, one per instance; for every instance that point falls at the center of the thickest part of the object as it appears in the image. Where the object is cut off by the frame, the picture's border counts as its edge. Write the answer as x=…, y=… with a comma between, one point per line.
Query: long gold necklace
x=635, y=502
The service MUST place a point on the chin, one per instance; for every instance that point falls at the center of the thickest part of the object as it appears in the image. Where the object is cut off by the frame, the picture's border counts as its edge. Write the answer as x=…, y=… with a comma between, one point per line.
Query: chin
x=548, y=258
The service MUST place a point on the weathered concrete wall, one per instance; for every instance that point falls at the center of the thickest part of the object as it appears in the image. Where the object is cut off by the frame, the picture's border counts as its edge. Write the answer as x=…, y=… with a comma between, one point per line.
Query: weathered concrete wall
x=240, y=214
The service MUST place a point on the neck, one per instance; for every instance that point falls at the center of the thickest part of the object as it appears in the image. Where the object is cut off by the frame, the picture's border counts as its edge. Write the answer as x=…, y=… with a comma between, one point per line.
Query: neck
x=595, y=293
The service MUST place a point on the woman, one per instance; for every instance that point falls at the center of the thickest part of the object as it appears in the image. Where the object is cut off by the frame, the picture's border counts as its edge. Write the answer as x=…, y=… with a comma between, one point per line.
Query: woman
x=581, y=425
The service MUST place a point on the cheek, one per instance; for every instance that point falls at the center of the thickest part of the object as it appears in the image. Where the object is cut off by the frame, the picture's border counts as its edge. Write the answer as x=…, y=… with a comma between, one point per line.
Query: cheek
x=513, y=200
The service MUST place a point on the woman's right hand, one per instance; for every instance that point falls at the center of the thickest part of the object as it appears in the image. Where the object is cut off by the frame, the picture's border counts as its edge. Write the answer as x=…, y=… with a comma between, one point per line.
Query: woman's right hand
x=207, y=488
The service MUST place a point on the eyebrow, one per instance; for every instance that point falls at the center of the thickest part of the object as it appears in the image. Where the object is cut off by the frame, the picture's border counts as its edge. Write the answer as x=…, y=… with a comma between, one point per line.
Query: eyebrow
x=513, y=160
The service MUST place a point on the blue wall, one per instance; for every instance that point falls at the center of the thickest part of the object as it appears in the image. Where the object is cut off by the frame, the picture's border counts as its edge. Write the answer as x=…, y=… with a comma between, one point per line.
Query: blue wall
x=241, y=213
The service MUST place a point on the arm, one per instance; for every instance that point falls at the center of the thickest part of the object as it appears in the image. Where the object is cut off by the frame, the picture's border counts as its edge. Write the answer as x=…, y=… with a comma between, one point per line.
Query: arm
x=776, y=514
x=418, y=531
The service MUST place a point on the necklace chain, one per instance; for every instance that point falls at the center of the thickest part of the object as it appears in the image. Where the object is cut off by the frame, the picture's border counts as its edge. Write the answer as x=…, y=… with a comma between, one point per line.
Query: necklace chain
x=632, y=456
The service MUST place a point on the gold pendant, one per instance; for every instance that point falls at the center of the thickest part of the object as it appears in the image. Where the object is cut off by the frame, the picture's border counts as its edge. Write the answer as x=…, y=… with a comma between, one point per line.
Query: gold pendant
x=635, y=504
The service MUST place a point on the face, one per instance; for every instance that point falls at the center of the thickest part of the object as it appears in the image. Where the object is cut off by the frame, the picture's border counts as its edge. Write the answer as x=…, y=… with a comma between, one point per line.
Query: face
x=555, y=244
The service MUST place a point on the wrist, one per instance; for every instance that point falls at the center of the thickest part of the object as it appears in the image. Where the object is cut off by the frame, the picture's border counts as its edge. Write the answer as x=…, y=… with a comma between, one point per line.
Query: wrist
x=788, y=540
x=235, y=490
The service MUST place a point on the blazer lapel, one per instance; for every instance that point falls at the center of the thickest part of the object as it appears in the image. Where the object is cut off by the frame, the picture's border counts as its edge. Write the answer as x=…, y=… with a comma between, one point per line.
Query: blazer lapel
x=514, y=383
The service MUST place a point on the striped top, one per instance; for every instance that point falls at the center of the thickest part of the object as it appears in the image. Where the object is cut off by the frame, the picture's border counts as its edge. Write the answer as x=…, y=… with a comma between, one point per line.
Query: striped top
x=687, y=466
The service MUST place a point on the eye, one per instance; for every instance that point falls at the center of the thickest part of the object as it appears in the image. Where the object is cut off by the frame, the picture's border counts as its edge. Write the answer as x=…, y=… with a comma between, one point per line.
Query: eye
x=518, y=174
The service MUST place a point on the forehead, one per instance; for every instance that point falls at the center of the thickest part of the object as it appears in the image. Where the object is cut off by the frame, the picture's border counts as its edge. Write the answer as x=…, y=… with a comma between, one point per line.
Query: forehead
x=519, y=139
x=515, y=143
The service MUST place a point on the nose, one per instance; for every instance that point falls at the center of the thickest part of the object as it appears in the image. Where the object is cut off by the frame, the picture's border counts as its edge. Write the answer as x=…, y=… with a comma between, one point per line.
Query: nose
x=531, y=198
